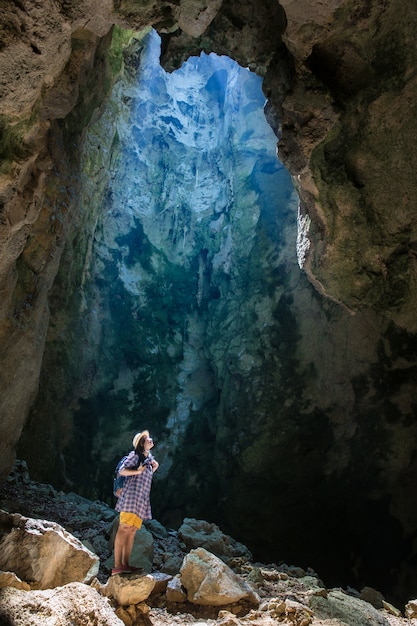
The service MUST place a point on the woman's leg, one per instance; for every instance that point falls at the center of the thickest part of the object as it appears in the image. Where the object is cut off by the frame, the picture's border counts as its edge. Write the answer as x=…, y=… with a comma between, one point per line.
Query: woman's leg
x=128, y=545
x=120, y=541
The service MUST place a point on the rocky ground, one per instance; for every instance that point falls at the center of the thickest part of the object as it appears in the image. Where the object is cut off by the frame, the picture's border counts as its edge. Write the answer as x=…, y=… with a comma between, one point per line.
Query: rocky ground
x=288, y=594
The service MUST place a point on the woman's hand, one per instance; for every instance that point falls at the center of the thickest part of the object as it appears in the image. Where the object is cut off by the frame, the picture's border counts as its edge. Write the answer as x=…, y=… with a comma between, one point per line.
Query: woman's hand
x=155, y=465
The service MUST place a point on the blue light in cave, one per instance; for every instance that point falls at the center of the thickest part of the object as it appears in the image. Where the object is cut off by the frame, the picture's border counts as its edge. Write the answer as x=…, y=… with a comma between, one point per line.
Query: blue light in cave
x=207, y=112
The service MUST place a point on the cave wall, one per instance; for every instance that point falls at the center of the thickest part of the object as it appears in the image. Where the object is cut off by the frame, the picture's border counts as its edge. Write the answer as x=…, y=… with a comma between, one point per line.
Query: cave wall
x=356, y=68
x=331, y=432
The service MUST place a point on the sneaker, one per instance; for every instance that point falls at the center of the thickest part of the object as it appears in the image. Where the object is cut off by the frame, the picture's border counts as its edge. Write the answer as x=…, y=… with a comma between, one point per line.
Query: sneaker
x=132, y=569
x=120, y=570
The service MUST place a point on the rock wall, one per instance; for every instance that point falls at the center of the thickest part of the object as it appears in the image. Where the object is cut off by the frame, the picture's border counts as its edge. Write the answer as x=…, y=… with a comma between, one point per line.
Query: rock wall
x=352, y=149
x=324, y=417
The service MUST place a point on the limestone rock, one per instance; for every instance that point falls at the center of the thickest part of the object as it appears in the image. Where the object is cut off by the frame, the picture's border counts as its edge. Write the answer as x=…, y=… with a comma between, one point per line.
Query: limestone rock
x=9, y=579
x=156, y=528
x=130, y=615
x=347, y=609
x=227, y=618
x=391, y=609
x=175, y=591
x=74, y=603
x=161, y=582
x=199, y=533
x=372, y=596
x=131, y=589
x=211, y=582
x=411, y=609
x=298, y=613
x=172, y=564
x=42, y=553
x=275, y=607
x=195, y=17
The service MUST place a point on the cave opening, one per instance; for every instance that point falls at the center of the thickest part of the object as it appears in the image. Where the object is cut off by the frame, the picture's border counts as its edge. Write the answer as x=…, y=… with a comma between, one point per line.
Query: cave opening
x=194, y=229
x=174, y=287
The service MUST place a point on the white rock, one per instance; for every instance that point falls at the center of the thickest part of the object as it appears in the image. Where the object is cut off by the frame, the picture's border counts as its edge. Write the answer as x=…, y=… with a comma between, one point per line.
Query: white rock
x=391, y=609
x=209, y=581
x=75, y=603
x=43, y=553
x=411, y=609
x=127, y=590
x=298, y=613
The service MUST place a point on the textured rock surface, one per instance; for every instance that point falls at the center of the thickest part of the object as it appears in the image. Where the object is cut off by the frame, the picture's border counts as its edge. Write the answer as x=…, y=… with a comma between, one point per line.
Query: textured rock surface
x=324, y=389
x=42, y=553
x=74, y=603
x=209, y=581
x=8, y=579
x=175, y=591
x=286, y=591
x=130, y=590
x=352, y=148
x=199, y=533
x=411, y=609
x=352, y=611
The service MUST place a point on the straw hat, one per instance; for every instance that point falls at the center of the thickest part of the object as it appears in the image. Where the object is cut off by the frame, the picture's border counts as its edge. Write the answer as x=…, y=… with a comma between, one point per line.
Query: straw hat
x=138, y=437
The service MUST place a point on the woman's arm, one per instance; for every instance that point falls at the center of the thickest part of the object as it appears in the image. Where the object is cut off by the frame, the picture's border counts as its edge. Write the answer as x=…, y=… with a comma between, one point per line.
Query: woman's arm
x=132, y=472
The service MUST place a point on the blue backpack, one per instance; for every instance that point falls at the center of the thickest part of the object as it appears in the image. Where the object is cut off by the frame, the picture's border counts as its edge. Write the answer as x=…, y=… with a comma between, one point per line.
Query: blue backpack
x=119, y=481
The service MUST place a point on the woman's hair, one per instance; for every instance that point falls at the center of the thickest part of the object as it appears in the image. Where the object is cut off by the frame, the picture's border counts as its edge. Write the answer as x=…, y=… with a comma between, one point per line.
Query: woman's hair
x=139, y=450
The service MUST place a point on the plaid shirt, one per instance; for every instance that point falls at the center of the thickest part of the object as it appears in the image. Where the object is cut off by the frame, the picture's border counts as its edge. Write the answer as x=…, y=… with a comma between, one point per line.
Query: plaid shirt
x=137, y=489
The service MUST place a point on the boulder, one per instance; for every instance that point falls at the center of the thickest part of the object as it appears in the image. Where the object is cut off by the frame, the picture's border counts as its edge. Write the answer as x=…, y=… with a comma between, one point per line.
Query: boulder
x=372, y=596
x=156, y=528
x=175, y=591
x=297, y=613
x=352, y=611
x=74, y=603
x=391, y=609
x=126, y=590
x=209, y=581
x=199, y=533
x=172, y=564
x=42, y=553
x=411, y=609
x=132, y=615
x=161, y=582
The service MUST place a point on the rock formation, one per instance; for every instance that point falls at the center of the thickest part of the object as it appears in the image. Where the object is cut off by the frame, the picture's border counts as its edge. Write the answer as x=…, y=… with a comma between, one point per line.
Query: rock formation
x=74, y=603
x=294, y=400
x=259, y=594
x=196, y=533
x=209, y=582
x=43, y=553
x=132, y=590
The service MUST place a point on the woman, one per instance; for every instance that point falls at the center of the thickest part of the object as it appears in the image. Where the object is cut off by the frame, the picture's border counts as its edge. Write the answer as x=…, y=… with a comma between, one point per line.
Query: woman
x=134, y=503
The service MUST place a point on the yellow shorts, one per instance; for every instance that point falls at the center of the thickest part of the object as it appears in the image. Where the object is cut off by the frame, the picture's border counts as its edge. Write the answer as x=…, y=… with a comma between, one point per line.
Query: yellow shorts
x=130, y=519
